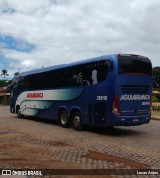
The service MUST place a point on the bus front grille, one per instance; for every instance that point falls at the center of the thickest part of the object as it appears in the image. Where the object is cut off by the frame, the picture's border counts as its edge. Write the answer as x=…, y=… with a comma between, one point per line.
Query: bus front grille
x=134, y=88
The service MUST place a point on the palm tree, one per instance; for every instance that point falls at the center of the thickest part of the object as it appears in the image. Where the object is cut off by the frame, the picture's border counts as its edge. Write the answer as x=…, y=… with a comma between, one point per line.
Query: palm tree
x=4, y=73
x=16, y=73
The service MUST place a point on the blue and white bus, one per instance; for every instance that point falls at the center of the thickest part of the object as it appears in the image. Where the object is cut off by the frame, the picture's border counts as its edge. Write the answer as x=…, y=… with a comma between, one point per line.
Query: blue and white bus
x=110, y=90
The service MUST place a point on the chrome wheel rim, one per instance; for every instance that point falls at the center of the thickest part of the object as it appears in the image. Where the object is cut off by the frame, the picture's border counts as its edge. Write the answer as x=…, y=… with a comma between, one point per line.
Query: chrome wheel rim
x=63, y=119
x=77, y=121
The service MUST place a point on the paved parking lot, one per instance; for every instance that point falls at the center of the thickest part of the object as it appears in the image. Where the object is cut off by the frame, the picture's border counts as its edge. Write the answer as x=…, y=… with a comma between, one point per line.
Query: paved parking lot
x=30, y=144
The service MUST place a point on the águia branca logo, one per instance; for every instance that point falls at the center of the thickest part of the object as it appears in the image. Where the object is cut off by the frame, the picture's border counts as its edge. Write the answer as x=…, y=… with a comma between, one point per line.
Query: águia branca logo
x=135, y=97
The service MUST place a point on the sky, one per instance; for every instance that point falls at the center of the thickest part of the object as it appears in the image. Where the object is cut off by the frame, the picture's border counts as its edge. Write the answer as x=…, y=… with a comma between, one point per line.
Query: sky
x=41, y=33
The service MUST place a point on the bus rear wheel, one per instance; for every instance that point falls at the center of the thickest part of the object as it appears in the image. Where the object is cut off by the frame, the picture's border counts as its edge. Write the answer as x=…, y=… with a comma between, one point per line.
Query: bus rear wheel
x=63, y=118
x=77, y=121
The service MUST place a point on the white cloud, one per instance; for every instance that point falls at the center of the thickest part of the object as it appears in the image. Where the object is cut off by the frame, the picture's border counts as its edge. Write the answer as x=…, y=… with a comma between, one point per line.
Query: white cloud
x=68, y=30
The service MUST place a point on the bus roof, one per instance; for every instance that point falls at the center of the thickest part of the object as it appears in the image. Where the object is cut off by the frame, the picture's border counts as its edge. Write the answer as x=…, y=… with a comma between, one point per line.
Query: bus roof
x=45, y=69
x=85, y=61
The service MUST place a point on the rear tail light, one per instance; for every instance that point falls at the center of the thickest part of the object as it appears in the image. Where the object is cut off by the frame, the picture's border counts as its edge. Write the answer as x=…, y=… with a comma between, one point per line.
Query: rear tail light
x=150, y=106
x=115, y=106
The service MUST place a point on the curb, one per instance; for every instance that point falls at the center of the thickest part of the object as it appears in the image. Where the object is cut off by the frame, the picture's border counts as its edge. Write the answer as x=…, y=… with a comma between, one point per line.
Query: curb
x=155, y=118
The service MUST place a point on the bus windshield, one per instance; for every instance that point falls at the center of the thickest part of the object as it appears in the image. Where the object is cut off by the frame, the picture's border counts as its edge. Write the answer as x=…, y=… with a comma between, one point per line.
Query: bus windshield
x=134, y=65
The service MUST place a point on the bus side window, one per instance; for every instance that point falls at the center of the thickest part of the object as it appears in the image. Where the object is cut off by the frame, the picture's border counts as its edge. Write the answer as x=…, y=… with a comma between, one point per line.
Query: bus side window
x=102, y=70
x=13, y=89
x=90, y=73
x=21, y=85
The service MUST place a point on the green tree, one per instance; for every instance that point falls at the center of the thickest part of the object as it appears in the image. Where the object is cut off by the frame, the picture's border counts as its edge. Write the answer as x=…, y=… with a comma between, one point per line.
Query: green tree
x=156, y=77
x=2, y=83
x=154, y=99
x=16, y=73
x=4, y=73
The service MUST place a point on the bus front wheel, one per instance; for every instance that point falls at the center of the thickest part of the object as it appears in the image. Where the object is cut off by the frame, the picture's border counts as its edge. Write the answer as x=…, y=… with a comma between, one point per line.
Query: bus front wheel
x=19, y=114
x=63, y=118
x=77, y=122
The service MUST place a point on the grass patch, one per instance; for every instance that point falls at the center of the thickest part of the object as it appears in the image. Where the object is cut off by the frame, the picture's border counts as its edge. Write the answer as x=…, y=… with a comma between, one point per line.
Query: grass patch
x=157, y=114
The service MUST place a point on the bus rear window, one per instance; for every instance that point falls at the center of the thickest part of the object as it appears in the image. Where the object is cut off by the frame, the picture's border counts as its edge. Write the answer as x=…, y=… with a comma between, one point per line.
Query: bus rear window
x=134, y=65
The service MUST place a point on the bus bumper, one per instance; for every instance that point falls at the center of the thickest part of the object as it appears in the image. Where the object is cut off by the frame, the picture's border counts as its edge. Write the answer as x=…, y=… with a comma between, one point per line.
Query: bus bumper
x=130, y=120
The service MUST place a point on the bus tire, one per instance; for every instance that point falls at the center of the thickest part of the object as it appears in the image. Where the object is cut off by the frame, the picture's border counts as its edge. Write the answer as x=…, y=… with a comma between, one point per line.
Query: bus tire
x=63, y=118
x=19, y=114
x=77, y=121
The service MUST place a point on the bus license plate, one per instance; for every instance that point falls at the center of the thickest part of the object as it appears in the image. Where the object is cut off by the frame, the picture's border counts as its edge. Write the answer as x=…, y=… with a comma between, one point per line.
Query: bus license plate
x=135, y=120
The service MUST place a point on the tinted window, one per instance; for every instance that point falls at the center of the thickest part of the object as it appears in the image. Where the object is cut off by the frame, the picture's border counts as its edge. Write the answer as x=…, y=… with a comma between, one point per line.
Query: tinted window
x=91, y=73
x=87, y=74
x=22, y=85
x=134, y=64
